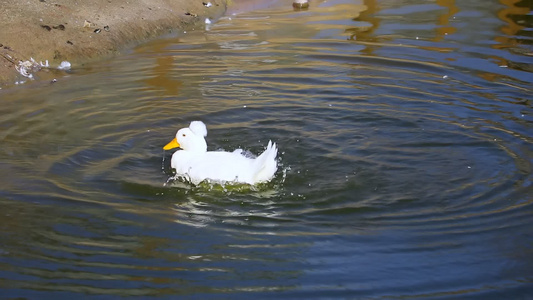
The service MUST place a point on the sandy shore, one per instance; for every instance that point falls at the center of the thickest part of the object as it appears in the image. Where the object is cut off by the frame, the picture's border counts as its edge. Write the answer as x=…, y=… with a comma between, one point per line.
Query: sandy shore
x=80, y=31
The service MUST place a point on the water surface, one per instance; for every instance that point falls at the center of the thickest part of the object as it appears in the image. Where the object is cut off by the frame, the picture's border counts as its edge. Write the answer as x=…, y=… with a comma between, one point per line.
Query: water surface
x=405, y=143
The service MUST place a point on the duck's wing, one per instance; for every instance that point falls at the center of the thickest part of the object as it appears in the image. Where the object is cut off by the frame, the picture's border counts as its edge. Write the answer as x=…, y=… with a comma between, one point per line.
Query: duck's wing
x=217, y=166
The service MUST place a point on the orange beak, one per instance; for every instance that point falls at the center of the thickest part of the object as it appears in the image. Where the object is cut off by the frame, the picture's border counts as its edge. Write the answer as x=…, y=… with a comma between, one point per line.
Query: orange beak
x=173, y=144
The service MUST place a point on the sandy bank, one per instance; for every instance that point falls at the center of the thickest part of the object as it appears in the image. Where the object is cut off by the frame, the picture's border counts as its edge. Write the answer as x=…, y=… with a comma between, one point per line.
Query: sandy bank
x=80, y=31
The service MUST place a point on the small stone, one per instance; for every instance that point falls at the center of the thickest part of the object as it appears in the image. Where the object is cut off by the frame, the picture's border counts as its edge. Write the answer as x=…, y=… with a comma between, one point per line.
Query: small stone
x=60, y=27
x=70, y=43
x=46, y=27
x=300, y=4
x=106, y=28
x=97, y=30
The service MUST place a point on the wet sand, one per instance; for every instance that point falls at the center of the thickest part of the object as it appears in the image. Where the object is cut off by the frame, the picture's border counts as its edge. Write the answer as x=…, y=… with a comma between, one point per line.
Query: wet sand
x=81, y=31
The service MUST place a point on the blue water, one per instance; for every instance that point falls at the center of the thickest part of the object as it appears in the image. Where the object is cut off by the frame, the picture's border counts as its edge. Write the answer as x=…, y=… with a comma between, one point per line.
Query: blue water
x=405, y=160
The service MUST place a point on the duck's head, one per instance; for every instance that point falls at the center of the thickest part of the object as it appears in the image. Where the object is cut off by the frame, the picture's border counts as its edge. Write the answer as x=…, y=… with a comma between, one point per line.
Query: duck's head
x=190, y=139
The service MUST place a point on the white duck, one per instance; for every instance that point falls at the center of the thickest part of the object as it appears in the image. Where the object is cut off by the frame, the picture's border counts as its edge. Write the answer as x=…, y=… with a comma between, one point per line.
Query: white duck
x=197, y=164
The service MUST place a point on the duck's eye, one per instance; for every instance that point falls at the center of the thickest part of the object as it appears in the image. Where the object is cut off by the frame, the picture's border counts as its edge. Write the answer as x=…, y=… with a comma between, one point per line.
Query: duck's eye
x=184, y=135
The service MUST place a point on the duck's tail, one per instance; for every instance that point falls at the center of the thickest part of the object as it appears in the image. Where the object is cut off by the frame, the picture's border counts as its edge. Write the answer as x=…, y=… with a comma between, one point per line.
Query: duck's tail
x=266, y=164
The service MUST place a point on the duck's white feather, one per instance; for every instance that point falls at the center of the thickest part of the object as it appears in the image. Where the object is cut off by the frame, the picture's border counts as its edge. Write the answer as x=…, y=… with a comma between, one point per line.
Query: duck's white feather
x=197, y=164
x=199, y=128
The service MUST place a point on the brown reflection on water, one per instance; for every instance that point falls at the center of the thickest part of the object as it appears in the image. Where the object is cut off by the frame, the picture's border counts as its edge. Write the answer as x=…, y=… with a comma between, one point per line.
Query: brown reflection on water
x=444, y=28
x=366, y=34
x=514, y=15
x=162, y=71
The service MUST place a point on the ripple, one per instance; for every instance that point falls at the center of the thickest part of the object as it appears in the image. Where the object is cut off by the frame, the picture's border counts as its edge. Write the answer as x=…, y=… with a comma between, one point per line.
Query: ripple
x=404, y=162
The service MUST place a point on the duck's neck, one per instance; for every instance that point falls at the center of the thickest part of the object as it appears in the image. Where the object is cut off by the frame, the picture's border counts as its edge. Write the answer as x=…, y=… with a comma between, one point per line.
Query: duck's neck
x=199, y=146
